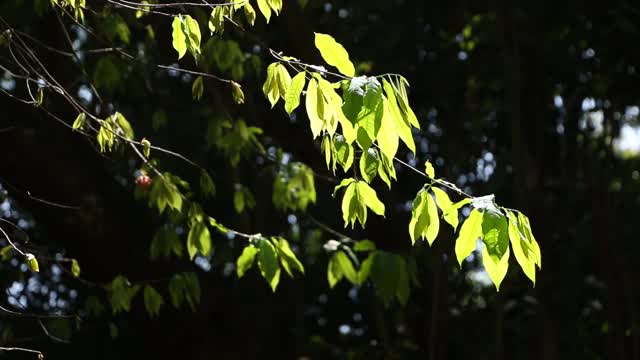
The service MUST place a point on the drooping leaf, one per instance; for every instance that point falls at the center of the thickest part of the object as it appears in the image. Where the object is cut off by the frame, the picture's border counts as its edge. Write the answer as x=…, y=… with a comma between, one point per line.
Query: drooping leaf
x=199, y=240
x=521, y=248
x=420, y=219
x=341, y=266
x=179, y=38
x=369, y=162
x=311, y=104
x=268, y=263
x=334, y=54
x=192, y=32
x=78, y=123
x=197, y=89
x=370, y=198
x=245, y=260
x=344, y=152
x=288, y=259
x=265, y=9
x=292, y=97
x=434, y=224
x=470, y=231
x=152, y=301
x=496, y=271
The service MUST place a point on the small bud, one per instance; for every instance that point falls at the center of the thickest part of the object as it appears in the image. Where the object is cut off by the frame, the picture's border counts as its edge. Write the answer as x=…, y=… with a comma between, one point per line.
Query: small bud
x=32, y=263
x=146, y=147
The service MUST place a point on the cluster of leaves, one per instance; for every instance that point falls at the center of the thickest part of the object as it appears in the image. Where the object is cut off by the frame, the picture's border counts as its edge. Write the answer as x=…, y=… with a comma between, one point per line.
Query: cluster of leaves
x=393, y=275
x=374, y=117
x=271, y=254
x=500, y=229
x=184, y=289
x=294, y=187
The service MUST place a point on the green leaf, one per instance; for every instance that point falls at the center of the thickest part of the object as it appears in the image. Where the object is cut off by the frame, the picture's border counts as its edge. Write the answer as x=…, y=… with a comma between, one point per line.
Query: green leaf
x=197, y=89
x=164, y=243
x=434, y=223
x=390, y=277
x=369, y=119
x=32, y=263
x=268, y=263
x=470, y=231
x=402, y=125
x=207, y=186
x=365, y=268
x=270, y=87
x=495, y=234
x=236, y=92
x=344, y=152
x=245, y=260
x=311, y=105
x=449, y=214
x=370, y=198
x=75, y=268
x=364, y=245
x=525, y=229
x=341, y=266
x=283, y=79
x=115, y=25
x=387, y=136
x=292, y=97
x=192, y=30
x=146, y=147
x=123, y=126
x=288, y=259
x=249, y=13
x=185, y=289
x=199, y=240
x=179, y=39
x=263, y=5
x=79, y=122
x=152, y=301
x=520, y=248
x=369, y=162
x=419, y=216
x=121, y=293
x=431, y=173
x=496, y=271
x=334, y=54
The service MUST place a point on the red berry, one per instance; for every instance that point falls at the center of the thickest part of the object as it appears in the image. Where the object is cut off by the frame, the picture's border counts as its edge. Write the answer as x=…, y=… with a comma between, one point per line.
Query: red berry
x=143, y=181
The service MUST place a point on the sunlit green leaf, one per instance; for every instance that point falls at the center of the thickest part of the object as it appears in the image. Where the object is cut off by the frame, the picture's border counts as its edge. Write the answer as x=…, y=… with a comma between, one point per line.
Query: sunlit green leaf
x=245, y=260
x=292, y=97
x=268, y=263
x=334, y=54
x=470, y=231
x=179, y=38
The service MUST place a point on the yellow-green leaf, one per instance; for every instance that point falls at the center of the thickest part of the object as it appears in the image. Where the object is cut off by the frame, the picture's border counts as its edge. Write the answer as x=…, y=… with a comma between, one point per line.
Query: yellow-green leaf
x=263, y=5
x=311, y=104
x=179, y=39
x=470, y=230
x=334, y=54
x=292, y=97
